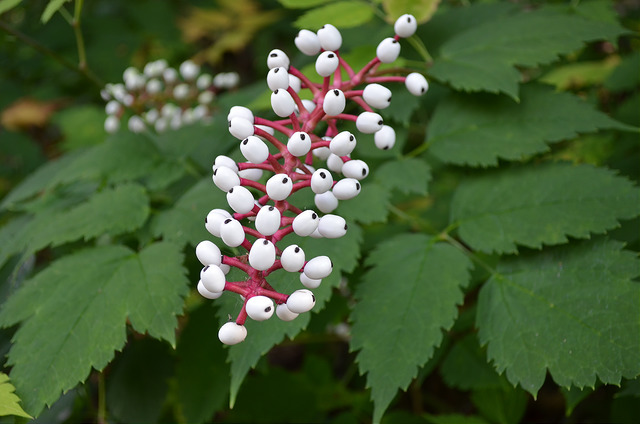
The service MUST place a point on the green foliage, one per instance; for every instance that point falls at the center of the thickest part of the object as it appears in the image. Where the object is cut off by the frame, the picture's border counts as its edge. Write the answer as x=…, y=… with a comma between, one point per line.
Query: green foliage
x=9, y=402
x=492, y=251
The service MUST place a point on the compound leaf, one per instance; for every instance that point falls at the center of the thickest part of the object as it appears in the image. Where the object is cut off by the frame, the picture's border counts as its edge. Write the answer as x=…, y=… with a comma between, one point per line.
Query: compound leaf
x=465, y=367
x=112, y=211
x=406, y=175
x=483, y=58
x=405, y=301
x=371, y=205
x=477, y=129
x=74, y=314
x=543, y=204
x=572, y=310
x=342, y=14
x=262, y=336
x=9, y=402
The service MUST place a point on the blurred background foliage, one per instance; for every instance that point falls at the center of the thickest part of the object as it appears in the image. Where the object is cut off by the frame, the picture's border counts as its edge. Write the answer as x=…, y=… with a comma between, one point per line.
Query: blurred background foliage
x=49, y=108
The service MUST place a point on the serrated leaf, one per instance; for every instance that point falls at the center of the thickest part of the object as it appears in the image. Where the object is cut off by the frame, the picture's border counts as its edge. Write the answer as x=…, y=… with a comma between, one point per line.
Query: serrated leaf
x=9, y=402
x=484, y=57
x=478, y=129
x=138, y=381
x=342, y=14
x=538, y=205
x=6, y=5
x=52, y=7
x=422, y=10
x=122, y=157
x=74, y=315
x=184, y=222
x=406, y=175
x=262, y=336
x=202, y=373
x=371, y=205
x=571, y=310
x=405, y=301
x=112, y=211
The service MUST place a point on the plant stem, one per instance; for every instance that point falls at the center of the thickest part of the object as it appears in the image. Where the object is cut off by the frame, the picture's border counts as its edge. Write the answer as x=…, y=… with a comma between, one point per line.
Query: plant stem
x=82, y=56
x=417, y=44
x=102, y=404
x=48, y=52
x=455, y=243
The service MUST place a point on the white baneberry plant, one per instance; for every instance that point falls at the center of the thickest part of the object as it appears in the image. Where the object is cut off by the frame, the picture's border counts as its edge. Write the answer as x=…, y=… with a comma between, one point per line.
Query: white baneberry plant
x=160, y=97
x=293, y=153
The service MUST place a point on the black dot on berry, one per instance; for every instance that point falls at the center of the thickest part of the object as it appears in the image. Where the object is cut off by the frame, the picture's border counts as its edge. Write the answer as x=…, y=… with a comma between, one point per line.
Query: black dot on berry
x=231, y=190
x=422, y=90
x=351, y=138
x=275, y=71
x=285, y=180
x=302, y=136
x=336, y=92
x=245, y=141
x=409, y=19
x=229, y=122
x=380, y=122
x=331, y=263
x=267, y=309
x=394, y=41
x=206, y=220
x=297, y=249
x=275, y=92
x=265, y=242
x=314, y=216
x=345, y=227
x=271, y=208
x=323, y=175
x=385, y=148
x=273, y=55
x=205, y=268
x=214, y=171
x=313, y=297
x=228, y=220
x=330, y=55
x=389, y=99
x=364, y=172
x=357, y=186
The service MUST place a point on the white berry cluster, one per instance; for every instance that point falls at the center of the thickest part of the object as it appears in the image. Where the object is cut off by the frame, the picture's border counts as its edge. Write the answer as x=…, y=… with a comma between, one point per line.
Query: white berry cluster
x=289, y=154
x=161, y=97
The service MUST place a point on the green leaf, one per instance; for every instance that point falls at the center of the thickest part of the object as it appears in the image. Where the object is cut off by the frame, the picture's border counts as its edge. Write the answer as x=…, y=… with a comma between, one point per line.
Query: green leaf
x=478, y=129
x=410, y=294
x=484, y=57
x=74, y=315
x=302, y=4
x=52, y=7
x=138, y=381
x=9, y=402
x=82, y=126
x=422, y=10
x=202, y=373
x=184, y=222
x=262, y=336
x=572, y=310
x=371, y=205
x=455, y=419
x=6, y=5
x=122, y=157
x=465, y=367
x=504, y=405
x=342, y=14
x=112, y=211
x=543, y=204
x=406, y=175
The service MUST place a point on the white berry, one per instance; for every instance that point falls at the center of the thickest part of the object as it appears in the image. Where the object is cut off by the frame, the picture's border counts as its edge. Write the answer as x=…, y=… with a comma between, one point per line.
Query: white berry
x=301, y=301
x=254, y=149
x=240, y=127
x=214, y=220
x=208, y=253
x=335, y=162
x=405, y=26
x=346, y=188
x=310, y=283
x=225, y=178
x=377, y=96
x=355, y=168
x=232, y=333
x=259, y=308
x=278, y=58
x=213, y=278
x=241, y=112
x=240, y=199
x=282, y=103
x=299, y=143
x=416, y=84
x=307, y=42
x=268, y=220
x=189, y=70
x=278, y=78
x=231, y=232
x=305, y=223
x=327, y=63
x=222, y=160
x=208, y=294
x=321, y=181
x=292, y=258
x=284, y=313
x=329, y=37
x=279, y=186
x=111, y=124
x=253, y=174
x=332, y=226
x=334, y=102
x=343, y=144
x=388, y=50
x=385, y=138
x=318, y=267
x=326, y=202
x=262, y=254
